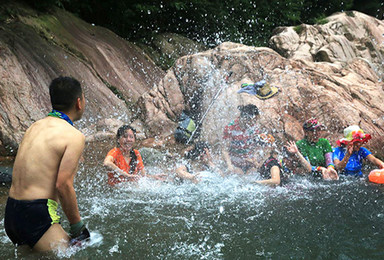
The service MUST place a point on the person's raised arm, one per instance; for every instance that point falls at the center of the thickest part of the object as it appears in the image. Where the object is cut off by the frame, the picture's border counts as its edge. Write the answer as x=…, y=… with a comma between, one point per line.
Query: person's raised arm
x=340, y=165
x=182, y=173
x=227, y=158
x=292, y=148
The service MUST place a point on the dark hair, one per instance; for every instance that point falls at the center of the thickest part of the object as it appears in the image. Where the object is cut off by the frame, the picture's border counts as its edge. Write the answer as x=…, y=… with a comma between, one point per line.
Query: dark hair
x=197, y=150
x=248, y=110
x=121, y=131
x=64, y=92
x=119, y=134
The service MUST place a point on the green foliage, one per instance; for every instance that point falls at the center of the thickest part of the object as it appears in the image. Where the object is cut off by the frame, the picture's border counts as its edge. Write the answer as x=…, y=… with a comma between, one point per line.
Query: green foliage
x=298, y=29
x=350, y=13
x=44, y=5
x=321, y=20
x=208, y=21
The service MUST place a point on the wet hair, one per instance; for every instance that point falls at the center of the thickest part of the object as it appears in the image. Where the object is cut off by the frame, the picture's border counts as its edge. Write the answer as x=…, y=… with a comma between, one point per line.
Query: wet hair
x=197, y=150
x=248, y=110
x=120, y=132
x=64, y=92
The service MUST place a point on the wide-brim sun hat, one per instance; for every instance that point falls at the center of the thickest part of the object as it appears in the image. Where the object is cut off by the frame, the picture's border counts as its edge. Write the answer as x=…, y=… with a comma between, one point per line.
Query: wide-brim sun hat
x=312, y=124
x=353, y=134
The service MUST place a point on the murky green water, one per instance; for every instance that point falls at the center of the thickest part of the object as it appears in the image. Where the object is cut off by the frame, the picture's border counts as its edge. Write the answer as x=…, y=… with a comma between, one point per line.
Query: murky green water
x=224, y=219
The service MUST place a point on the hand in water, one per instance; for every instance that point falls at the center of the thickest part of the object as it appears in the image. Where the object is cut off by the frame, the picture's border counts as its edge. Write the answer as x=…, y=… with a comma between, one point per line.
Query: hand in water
x=78, y=233
x=79, y=240
x=329, y=173
x=332, y=173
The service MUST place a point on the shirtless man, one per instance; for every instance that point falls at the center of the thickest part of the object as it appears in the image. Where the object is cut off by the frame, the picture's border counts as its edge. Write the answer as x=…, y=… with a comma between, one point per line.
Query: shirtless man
x=43, y=174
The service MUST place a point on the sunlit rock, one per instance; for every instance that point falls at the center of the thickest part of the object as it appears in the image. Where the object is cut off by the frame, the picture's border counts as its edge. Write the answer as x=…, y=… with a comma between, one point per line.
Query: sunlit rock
x=36, y=48
x=338, y=94
x=344, y=37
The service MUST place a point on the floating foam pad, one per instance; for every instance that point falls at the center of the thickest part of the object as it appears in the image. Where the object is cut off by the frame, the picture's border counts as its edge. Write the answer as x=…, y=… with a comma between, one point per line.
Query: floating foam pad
x=376, y=176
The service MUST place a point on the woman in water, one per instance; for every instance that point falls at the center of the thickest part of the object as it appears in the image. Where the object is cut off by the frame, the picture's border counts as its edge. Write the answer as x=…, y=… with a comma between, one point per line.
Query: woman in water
x=313, y=152
x=349, y=156
x=125, y=162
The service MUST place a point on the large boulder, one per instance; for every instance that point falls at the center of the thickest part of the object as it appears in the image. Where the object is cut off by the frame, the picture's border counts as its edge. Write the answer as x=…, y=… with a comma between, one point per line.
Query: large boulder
x=344, y=37
x=36, y=48
x=338, y=94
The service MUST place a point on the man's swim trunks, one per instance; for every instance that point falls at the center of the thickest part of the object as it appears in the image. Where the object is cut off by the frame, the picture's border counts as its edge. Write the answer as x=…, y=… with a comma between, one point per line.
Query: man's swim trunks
x=26, y=221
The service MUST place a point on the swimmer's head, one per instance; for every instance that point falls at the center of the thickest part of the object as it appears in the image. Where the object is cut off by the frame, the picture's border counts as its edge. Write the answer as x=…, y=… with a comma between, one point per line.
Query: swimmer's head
x=248, y=111
x=122, y=132
x=64, y=93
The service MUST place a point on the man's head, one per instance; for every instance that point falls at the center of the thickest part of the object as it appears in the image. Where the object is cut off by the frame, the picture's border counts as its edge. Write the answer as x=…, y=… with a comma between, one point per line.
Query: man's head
x=66, y=94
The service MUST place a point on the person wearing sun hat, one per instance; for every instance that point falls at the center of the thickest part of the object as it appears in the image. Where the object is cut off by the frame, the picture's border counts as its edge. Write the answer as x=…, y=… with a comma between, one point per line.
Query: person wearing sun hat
x=349, y=156
x=313, y=152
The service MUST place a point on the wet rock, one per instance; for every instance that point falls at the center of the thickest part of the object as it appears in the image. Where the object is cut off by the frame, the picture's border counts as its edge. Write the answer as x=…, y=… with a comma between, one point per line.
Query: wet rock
x=164, y=49
x=344, y=37
x=35, y=48
x=338, y=94
x=152, y=157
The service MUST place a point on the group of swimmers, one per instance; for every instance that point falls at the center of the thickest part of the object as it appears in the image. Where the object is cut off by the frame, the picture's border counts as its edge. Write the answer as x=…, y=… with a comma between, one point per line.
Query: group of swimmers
x=246, y=150
x=48, y=156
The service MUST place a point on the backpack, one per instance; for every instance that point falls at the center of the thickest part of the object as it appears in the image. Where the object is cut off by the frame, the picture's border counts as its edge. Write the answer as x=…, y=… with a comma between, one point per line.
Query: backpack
x=186, y=126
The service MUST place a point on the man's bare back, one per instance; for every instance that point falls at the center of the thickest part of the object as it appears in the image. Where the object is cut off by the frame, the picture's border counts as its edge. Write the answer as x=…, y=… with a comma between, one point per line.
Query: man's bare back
x=43, y=174
x=39, y=156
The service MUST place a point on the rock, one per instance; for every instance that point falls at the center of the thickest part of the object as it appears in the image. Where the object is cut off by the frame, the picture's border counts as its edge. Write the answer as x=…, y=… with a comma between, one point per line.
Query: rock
x=36, y=48
x=164, y=49
x=338, y=95
x=345, y=37
x=152, y=157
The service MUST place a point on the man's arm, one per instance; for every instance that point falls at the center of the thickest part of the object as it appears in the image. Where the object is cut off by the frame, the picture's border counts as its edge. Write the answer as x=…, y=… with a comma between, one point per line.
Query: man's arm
x=227, y=159
x=65, y=177
x=292, y=148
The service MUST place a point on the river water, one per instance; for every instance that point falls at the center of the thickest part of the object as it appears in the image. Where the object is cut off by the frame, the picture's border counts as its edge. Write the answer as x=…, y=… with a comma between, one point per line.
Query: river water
x=222, y=218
